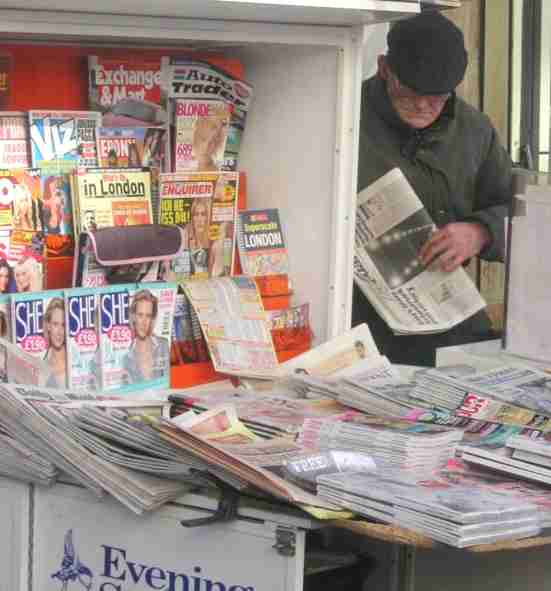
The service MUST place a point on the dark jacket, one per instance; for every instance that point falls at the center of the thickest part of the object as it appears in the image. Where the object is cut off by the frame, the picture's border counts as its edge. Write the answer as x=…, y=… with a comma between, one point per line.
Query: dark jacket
x=459, y=171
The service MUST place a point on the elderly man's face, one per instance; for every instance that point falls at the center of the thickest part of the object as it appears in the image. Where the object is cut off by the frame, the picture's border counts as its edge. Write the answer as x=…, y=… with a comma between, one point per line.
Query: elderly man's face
x=416, y=110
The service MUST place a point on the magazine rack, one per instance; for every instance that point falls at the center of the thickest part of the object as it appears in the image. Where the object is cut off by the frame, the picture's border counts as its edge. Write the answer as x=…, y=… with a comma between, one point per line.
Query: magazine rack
x=300, y=144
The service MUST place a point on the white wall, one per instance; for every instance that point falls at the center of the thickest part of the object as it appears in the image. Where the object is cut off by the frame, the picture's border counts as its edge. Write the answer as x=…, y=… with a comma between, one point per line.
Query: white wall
x=374, y=45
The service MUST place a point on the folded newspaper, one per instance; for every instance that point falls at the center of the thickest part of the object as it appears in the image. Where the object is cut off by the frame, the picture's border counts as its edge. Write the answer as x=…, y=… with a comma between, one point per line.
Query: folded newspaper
x=391, y=227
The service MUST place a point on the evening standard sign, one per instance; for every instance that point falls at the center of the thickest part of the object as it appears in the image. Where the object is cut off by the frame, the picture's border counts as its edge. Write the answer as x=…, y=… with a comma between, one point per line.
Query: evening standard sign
x=120, y=572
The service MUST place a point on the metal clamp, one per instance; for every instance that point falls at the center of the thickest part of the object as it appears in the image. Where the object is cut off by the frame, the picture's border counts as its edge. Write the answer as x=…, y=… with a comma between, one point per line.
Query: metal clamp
x=285, y=542
x=226, y=510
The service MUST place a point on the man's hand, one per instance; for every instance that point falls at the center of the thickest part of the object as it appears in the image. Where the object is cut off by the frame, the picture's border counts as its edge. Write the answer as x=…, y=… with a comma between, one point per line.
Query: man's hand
x=453, y=244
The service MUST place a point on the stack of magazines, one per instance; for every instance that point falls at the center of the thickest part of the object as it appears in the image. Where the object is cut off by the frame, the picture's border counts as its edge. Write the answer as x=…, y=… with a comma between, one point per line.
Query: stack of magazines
x=388, y=397
x=523, y=457
x=527, y=449
x=418, y=448
x=516, y=385
x=458, y=516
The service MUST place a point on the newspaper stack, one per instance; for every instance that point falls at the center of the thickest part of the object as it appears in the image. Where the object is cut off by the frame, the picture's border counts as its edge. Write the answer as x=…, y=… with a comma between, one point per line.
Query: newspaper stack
x=514, y=459
x=22, y=463
x=266, y=415
x=458, y=516
x=417, y=448
x=462, y=517
x=36, y=416
x=115, y=436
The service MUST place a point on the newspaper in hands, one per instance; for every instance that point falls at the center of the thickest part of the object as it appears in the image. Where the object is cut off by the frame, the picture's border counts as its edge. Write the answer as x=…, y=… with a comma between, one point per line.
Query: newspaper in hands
x=391, y=227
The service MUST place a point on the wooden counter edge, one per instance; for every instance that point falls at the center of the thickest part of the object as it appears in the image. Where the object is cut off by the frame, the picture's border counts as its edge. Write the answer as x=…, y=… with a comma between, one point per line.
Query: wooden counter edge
x=399, y=535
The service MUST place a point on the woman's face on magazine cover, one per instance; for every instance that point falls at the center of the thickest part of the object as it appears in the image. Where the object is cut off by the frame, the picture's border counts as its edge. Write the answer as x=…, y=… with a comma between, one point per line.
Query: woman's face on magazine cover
x=200, y=219
x=23, y=277
x=56, y=329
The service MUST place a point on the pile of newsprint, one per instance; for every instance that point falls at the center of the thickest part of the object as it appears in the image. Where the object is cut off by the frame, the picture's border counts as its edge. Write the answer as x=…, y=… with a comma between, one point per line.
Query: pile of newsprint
x=460, y=454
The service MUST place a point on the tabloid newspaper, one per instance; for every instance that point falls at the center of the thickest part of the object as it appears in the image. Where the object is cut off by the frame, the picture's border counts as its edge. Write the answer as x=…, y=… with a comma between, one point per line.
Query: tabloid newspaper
x=235, y=326
x=204, y=204
x=130, y=90
x=262, y=249
x=14, y=140
x=127, y=89
x=38, y=325
x=196, y=83
x=20, y=199
x=83, y=369
x=135, y=329
x=391, y=227
x=105, y=197
x=63, y=140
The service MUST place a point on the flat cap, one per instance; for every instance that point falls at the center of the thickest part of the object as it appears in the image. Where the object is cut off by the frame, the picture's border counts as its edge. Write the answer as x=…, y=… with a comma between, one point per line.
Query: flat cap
x=427, y=53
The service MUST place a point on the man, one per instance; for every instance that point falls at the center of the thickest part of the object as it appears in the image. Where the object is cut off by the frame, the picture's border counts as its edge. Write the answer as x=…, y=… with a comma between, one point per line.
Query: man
x=449, y=153
x=148, y=357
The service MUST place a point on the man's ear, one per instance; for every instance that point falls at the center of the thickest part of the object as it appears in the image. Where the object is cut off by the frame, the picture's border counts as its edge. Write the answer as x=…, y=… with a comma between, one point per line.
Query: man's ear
x=382, y=67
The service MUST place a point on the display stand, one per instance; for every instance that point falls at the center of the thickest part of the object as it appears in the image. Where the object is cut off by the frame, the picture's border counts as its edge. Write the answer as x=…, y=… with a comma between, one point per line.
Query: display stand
x=300, y=153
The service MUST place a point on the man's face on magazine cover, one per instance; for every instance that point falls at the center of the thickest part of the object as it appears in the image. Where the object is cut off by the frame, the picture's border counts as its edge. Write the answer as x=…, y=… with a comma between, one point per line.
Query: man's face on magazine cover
x=143, y=320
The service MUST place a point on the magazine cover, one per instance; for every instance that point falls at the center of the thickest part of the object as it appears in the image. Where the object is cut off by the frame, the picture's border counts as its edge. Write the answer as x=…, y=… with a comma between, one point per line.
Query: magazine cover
x=127, y=89
x=38, y=325
x=63, y=140
x=147, y=364
x=135, y=335
x=20, y=192
x=25, y=256
x=105, y=197
x=115, y=335
x=199, y=81
x=82, y=340
x=262, y=249
x=205, y=206
x=201, y=132
x=131, y=147
x=14, y=140
x=55, y=204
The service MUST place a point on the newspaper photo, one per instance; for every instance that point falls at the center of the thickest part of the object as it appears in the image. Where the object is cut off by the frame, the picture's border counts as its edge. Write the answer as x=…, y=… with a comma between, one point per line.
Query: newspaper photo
x=391, y=227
